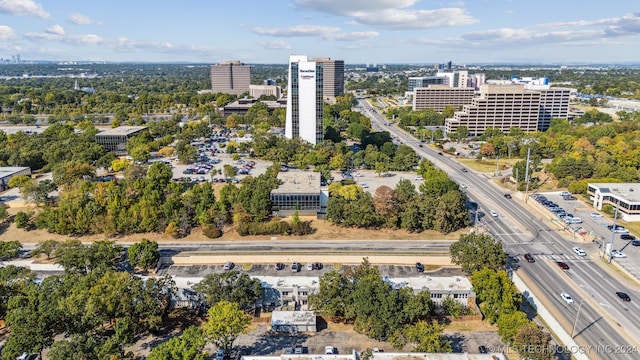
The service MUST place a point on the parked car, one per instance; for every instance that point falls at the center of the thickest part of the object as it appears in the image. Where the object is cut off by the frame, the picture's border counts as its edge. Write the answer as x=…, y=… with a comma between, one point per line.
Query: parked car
x=623, y=296
x=330, y=350
x=483, y=349
x=635, y=242
x=317, y=266
x=562, y=265
x=463, y=186
x=565, y=193
x=228, y=265
x=596, y=215
x=280, y=266
x=418, y=178
x=567, y=298
x=617, y=229
x=617, y=254
x=419, y=267
x=220, y=354
x=579, y=251
x=310, y=266
x=295, y=266
x=529, y=258
x=627, y=237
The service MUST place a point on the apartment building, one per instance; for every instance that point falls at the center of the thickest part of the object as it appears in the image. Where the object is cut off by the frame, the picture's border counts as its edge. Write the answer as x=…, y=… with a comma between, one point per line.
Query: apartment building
x=499, y=106
x=437, y=97
x=230, y=77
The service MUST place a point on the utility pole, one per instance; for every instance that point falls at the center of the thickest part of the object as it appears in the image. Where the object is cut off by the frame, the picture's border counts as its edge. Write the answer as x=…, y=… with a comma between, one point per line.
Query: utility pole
x=526, y=177
x=576, y=321
x=613, y=231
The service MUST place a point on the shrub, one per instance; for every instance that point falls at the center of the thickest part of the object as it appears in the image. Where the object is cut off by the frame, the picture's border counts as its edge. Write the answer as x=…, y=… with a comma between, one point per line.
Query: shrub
x=22, y=220
x=212, y=232
x=302, y=228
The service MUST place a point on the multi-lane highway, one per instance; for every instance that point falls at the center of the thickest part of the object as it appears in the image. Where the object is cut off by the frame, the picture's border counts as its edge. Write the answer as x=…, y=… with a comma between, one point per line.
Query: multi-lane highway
x=603, y=319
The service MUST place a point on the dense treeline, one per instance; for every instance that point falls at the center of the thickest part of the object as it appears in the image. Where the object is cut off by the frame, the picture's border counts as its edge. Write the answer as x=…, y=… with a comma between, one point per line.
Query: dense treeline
x=360, y=296
x=97, y=308
x=439, y=204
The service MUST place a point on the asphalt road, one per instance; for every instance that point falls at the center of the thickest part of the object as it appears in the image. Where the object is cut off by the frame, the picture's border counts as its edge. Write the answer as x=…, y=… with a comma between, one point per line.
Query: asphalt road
x=603, y=320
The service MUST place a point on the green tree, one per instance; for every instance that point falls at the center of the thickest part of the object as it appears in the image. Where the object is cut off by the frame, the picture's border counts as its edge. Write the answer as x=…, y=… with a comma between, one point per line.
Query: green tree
x=231, y=286
x=423, y=336
x=188, y=346
x=332, y=298
x=225, y=323
x=476, y=251
x=509, y=324
x=72, y=255
x=47, y=247
x=9, y=249
x=496, y=293
x=143, y=254
x=533, y=342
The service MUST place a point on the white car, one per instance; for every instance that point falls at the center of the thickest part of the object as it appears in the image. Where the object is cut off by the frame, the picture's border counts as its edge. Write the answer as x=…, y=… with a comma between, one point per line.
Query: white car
x=418, y=178
x=596, y=215
x=579, y=251
x=329, y=350
x=567, y=298
x=565, y=193
x=309, y=266
x=617, y=254
x=493, y=213
x=364, y=185
x=463, y=186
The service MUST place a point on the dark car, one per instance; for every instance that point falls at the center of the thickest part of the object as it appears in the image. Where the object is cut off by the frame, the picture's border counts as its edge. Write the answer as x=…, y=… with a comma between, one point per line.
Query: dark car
x=562, y=265
x=419, y=267
x=317, y=266
x=529, y=258
x=635, y=242
x=439, y=153
x=627, y=237
x=508, y=196
x=464, y=170
x=623, y=296
x=483, y=349
x=280, y=266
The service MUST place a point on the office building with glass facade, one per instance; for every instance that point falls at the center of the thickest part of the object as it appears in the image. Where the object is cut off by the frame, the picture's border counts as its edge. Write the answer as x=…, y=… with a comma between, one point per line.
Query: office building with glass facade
x=305, y=106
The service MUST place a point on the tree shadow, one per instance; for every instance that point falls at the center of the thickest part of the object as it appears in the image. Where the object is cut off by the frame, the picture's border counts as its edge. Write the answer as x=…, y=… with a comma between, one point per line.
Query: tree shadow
x=271, y=342
x=457, y=342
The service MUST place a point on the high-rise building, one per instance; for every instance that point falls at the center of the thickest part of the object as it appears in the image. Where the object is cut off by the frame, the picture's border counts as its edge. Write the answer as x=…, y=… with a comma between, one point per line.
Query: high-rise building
x=333, y=73
x=554, y=104
x=255, y=91
x=230, y=77
x=499, y=106
x=305, y=106
x=437, y=97
x=424, y=81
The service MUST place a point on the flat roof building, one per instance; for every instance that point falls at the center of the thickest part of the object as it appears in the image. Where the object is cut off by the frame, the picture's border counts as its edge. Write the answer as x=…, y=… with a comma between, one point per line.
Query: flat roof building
x=293, y=321
x=241, y=106
x=499, y=106
x=230, y=77
x=554, y=104
x=625, y=196
x=7, y=172
x=437, y=97
x=300, y=190
x=255, y=91
x=116, y=139
x=333, y=78
x=305, y=105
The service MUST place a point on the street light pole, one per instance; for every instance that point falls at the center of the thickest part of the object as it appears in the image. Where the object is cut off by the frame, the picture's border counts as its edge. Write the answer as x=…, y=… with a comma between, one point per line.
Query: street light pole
x=577, y=314
x=613, y=231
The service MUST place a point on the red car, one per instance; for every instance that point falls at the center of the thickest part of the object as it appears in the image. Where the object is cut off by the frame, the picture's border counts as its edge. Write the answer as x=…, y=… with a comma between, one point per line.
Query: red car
x=529, y=258
x=562, y=265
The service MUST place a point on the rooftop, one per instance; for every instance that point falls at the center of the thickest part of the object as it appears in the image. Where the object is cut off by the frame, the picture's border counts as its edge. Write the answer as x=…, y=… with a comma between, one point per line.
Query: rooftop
x=298, y=182
x=121, y=130
x=630, y=192
x=293, y=317
x=10, y=170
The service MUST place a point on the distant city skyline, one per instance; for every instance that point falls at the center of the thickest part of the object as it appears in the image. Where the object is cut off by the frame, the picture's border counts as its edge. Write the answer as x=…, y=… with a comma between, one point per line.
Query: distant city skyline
x=356, y=31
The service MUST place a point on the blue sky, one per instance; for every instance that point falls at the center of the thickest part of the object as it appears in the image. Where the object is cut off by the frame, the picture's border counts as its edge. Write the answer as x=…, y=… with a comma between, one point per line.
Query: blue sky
x=356, y=31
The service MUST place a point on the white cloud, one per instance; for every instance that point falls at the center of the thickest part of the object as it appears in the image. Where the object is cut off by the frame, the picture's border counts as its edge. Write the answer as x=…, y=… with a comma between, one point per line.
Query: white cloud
x=79, y=19
x=55, y=30
x=348, y=7
x=88, y=39
x=352, y=36
x=324, y=32
x=23, y=7
x=393, y=14
x=296, y=31
x=274, y=45
x=7, y=33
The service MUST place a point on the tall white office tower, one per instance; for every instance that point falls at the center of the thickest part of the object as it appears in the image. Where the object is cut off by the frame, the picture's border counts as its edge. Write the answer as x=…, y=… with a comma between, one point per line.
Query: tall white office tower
x=305, y=108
